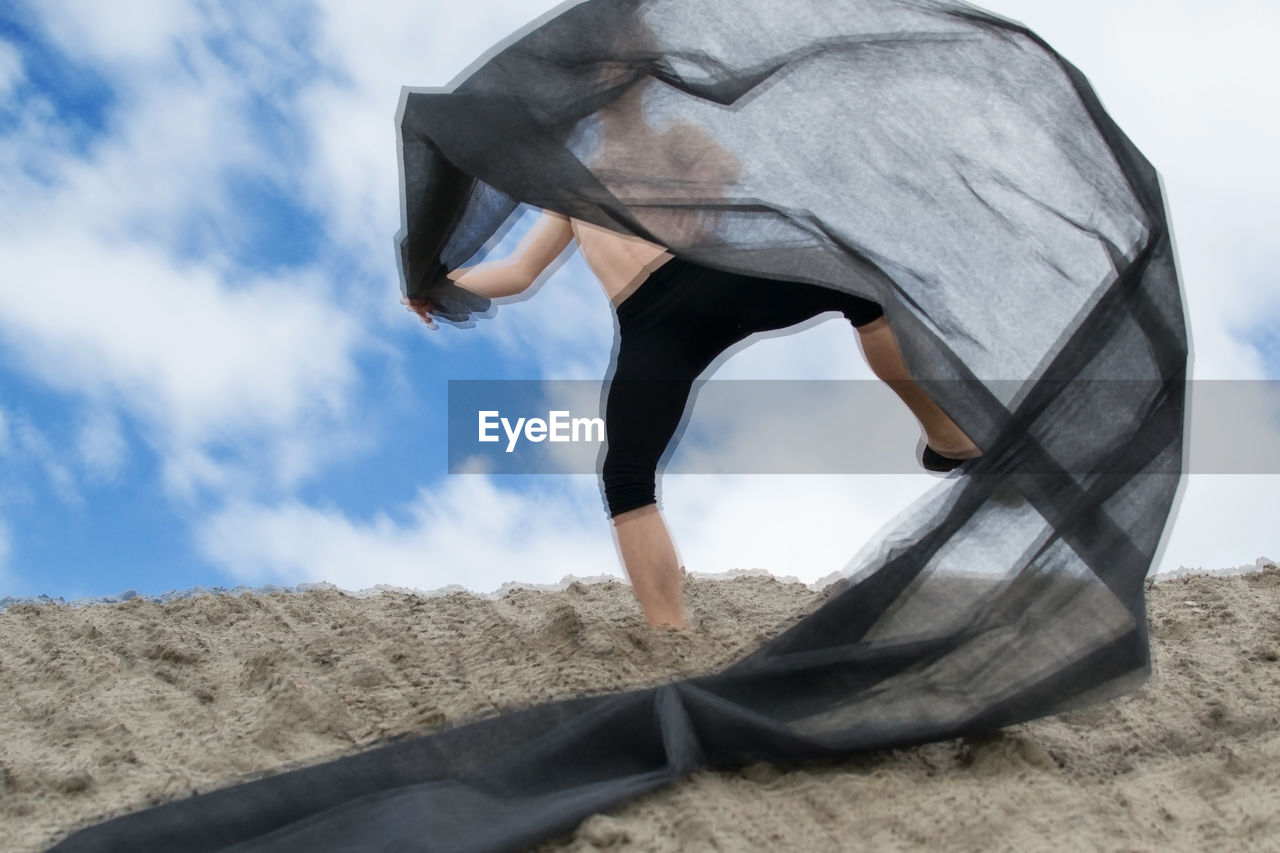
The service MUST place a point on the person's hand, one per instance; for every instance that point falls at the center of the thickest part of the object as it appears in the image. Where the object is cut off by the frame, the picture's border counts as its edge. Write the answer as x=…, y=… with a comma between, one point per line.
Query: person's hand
x=421, y=307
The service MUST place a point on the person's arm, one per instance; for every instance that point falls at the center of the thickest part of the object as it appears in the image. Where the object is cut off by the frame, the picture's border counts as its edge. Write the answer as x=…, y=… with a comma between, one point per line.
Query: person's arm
x=512, y=275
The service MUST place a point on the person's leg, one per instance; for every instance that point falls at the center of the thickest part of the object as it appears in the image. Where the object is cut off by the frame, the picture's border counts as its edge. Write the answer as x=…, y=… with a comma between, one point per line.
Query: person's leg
x=885, y=359
x=664, y=345
x=650, y=559
x=774, y=305
x=641, y=416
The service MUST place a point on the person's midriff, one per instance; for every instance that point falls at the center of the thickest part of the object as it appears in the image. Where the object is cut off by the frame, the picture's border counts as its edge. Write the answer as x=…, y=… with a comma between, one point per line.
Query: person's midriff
x=620, y=261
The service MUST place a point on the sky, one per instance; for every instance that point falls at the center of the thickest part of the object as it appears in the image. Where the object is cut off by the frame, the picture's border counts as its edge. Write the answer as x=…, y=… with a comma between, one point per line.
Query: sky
x=206, y=378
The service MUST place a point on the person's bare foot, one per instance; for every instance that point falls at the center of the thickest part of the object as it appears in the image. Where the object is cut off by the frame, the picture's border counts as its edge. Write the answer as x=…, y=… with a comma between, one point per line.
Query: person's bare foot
x=665, y=614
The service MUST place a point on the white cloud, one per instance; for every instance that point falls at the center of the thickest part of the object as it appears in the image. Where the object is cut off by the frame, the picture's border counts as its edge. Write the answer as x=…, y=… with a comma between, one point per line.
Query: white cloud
x=1223, y=522
x=101, y=445
x=191, y=349
x=472, y=533
x=196, y=360
x=31, y=444
x=468, y=532
x=140, y=34
x=11, y=71
x=803, y=526
x=119, y=284
x=34, y=144
x=177, y=127
x=1185, y=84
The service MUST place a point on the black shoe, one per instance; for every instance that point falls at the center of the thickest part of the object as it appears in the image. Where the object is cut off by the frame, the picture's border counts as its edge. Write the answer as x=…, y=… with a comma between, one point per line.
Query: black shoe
x=932, y=460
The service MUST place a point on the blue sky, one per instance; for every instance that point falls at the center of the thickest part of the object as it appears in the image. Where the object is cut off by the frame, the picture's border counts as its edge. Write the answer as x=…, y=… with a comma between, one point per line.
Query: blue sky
x=206, y=379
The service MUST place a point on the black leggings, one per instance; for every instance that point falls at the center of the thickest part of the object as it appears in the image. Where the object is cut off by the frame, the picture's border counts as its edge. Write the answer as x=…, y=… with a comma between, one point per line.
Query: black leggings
x=672, y=327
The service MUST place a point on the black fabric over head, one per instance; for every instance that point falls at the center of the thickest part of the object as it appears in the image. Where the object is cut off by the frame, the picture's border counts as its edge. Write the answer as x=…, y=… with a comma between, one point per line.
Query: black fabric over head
x=925, y=154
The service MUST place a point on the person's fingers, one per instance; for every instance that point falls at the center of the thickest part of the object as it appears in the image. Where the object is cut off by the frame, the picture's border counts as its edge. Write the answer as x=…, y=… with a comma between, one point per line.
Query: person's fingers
x=421, y=307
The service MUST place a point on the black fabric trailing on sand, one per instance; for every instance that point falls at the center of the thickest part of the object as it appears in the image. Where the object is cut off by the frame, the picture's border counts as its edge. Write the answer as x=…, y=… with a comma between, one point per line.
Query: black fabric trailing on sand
x=925, y=154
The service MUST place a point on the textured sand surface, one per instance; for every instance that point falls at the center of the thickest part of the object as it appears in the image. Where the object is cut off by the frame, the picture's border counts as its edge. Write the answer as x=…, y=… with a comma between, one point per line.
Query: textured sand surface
x=109, y=708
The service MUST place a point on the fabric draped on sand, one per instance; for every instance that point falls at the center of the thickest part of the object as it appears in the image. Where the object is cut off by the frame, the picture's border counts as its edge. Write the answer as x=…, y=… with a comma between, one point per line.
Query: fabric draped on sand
x=928, y=155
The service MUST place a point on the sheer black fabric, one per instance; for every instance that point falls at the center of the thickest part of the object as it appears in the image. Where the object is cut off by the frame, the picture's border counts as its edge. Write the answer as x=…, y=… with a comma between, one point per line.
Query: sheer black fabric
x=925, y=154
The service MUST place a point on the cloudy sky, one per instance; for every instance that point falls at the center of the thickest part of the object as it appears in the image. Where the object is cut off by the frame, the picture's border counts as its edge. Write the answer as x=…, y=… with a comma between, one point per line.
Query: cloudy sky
x=206, y=379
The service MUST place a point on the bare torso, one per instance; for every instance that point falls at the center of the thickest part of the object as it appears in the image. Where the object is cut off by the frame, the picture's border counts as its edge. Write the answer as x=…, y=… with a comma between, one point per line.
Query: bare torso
x=620, y=261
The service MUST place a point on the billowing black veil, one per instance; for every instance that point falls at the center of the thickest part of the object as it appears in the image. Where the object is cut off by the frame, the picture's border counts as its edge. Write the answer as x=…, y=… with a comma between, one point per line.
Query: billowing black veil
x=923, y=153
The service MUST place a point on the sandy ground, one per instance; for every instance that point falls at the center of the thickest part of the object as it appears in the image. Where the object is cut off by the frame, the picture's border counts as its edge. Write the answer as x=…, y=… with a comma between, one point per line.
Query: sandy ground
x=109, y=708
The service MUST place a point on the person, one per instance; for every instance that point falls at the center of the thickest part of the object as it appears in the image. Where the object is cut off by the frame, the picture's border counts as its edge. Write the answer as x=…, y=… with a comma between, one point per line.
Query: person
x=675, y=318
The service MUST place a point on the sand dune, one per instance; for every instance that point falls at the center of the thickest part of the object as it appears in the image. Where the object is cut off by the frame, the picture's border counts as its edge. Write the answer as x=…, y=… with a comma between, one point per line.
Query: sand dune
x=109, y=708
